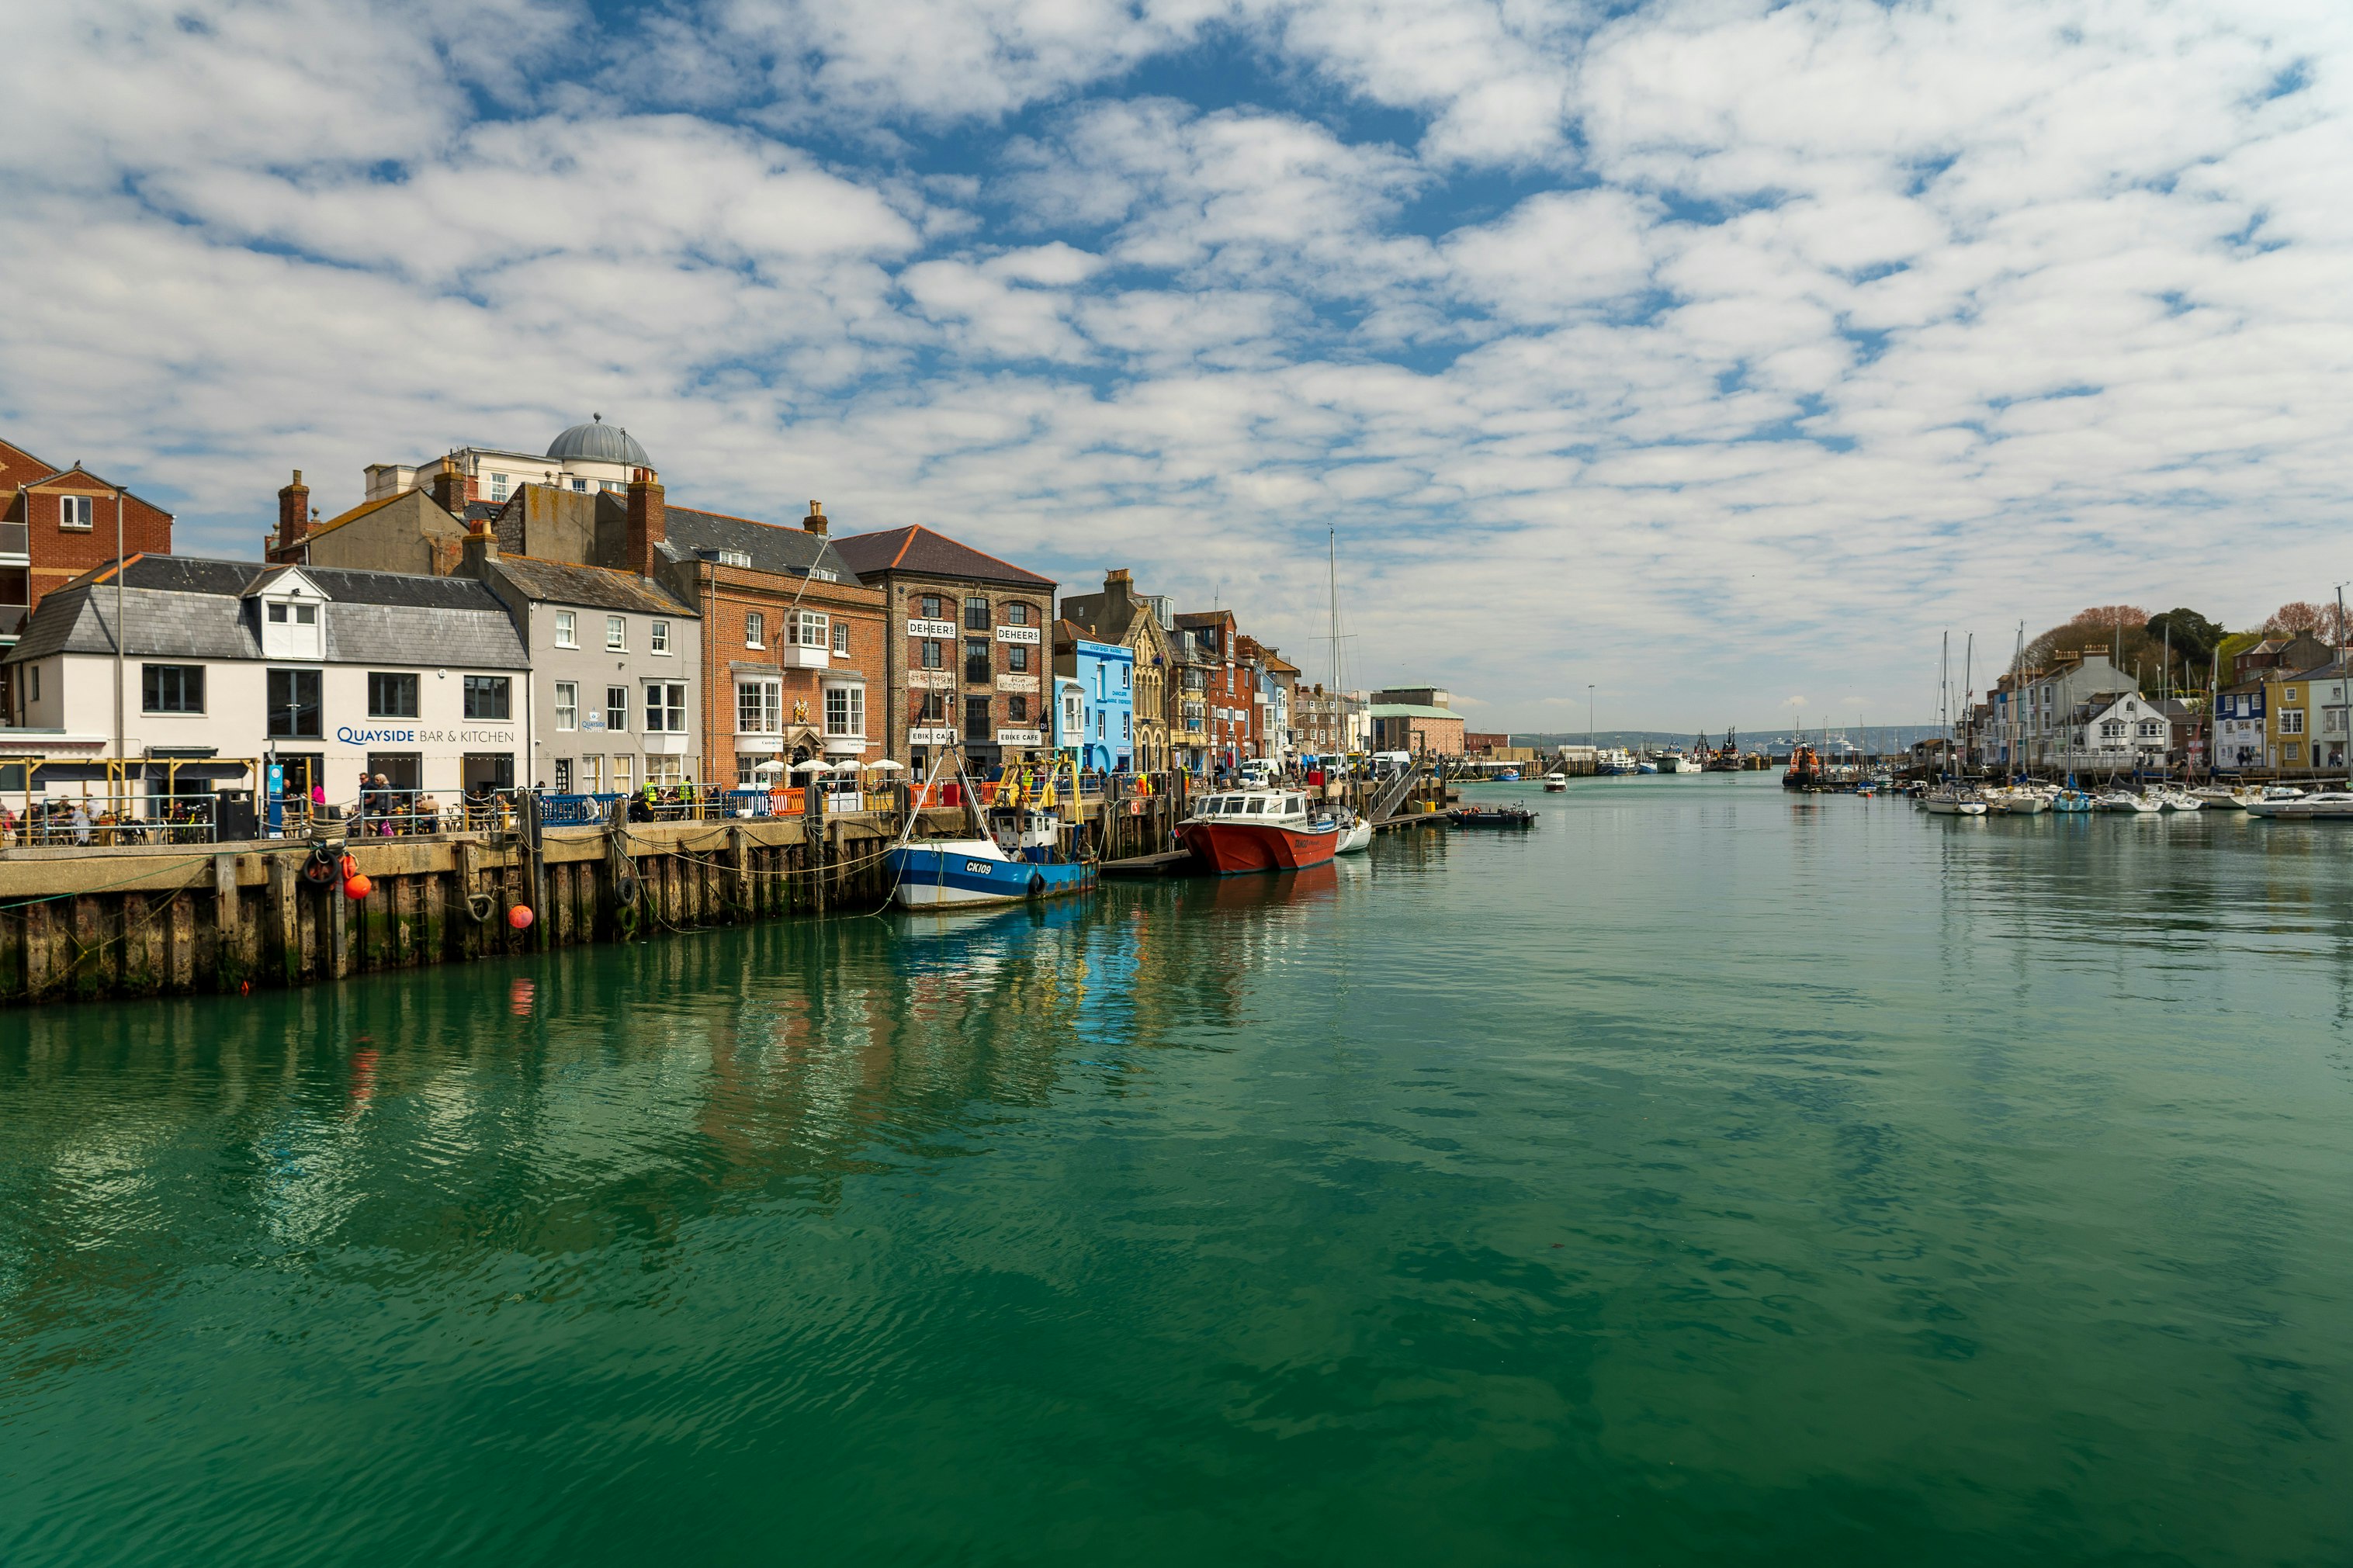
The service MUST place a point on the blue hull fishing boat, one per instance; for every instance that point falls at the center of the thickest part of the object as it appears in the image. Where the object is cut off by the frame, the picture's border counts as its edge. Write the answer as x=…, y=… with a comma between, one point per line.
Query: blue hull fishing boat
x=1020, y=857
x=957, y=873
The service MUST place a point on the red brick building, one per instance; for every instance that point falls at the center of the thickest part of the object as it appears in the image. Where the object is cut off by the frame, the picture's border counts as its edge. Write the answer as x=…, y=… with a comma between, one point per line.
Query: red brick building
x=1229, y=688
x=793, y=649
x=970, y=655
x=57, y=524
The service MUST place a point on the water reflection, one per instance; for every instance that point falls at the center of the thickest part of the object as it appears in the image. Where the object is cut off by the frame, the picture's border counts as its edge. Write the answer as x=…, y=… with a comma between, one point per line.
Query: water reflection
x=606, y=1093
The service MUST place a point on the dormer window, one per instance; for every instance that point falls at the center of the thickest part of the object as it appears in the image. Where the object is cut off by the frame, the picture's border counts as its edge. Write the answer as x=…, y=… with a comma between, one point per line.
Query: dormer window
x=281, y=613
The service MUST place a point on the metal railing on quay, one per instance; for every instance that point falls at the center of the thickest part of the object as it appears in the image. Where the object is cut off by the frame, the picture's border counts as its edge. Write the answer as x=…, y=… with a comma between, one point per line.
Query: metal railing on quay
x=62, y=823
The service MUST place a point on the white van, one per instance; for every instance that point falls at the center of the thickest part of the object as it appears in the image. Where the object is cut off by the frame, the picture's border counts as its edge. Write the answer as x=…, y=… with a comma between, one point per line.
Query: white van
x=1389, y=764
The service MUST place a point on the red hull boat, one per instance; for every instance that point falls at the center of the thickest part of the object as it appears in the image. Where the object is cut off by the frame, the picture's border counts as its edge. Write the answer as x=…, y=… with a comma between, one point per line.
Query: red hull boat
x=1260, y=830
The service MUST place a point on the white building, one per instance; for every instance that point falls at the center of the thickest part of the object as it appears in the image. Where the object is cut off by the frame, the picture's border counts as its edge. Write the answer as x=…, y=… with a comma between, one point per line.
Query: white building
x=2047, y=719
x=587, y=457
x=2115, y=731
x=331, y=673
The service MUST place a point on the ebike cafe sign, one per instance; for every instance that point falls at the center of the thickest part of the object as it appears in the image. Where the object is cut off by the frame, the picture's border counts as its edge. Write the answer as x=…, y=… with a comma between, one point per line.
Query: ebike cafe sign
x=348, y=736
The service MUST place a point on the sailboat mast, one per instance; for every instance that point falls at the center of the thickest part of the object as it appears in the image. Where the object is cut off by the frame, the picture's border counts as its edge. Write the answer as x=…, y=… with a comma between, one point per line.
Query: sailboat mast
x=1968, y=648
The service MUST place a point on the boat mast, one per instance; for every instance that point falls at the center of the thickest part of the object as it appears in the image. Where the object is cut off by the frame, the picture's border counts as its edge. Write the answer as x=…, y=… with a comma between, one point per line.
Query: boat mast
x=2213, y=704
x=1968, y=648
x=2338, y=659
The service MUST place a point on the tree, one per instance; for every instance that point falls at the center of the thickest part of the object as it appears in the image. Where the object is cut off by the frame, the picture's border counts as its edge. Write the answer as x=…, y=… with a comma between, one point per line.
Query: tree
x=2299, y=616
x=2114, y=629
x=2193, y=636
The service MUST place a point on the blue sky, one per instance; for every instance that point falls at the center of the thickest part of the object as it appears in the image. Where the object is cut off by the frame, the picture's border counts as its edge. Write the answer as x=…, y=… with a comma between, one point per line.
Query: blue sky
x=1719, y=354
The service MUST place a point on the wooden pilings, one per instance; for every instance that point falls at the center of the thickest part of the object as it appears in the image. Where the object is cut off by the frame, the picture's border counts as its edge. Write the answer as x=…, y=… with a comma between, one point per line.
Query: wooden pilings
x=90, y=923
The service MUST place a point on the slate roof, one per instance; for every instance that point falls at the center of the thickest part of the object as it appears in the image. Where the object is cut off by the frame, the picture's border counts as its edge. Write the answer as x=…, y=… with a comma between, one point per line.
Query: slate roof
x=562, y=582
x=919, y=549
x=180, y=607
x=773, y=547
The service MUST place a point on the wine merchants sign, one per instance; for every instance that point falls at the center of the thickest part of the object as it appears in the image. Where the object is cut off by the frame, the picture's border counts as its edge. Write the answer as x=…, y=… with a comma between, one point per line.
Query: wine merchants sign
x=348, y=736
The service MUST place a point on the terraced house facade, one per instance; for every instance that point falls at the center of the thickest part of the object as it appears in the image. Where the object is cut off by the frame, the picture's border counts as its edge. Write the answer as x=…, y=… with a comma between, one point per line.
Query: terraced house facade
x=968, y=657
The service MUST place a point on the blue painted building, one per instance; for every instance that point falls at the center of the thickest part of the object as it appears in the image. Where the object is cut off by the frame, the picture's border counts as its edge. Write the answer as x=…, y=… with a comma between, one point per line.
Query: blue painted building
x=1104, y=675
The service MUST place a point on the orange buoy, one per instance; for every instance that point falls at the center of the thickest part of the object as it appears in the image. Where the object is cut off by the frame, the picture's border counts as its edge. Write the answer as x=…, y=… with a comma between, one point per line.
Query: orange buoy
x=519, y=917
x=357, y=886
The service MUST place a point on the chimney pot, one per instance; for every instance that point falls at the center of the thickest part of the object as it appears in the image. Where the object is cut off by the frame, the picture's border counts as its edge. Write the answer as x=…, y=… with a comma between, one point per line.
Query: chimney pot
x=815, y=521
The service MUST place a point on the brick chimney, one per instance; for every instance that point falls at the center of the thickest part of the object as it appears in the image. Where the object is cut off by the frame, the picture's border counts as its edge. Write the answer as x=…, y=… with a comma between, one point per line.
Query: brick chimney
x=815, y=521
x=648, y=523
x=293, y=514
x=481, y=548
x=453, y=491
x=1119, y=587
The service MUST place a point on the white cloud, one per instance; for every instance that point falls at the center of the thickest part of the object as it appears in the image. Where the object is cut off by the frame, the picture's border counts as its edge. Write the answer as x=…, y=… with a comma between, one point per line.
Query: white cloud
x=1720, y=325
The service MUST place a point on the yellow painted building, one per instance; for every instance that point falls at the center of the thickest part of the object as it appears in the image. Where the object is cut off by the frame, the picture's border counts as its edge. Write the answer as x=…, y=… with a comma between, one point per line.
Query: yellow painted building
x=2305, y=718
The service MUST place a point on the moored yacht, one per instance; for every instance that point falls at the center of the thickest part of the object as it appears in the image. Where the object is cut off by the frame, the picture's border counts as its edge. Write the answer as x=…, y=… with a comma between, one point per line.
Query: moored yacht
x=2321, y=805
x=1952, y=800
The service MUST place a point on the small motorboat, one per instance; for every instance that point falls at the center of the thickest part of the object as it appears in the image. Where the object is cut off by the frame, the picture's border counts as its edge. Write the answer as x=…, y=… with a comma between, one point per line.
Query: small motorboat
x=1555, y=783
x=1356, y=839
x=2176, y=799
x=1492, y=816
x=2122, y=800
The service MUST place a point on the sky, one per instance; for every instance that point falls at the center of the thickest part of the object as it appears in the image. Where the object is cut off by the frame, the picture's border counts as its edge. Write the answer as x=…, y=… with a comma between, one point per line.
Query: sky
x=1718, y=355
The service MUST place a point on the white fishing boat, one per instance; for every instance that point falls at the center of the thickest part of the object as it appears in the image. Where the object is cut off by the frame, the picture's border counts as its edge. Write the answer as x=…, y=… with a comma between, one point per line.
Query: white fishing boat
x=1555, y=783
x=1670, y=761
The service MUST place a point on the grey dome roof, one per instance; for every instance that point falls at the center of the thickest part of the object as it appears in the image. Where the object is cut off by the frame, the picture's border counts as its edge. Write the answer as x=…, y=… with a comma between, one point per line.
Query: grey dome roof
x=599, y=443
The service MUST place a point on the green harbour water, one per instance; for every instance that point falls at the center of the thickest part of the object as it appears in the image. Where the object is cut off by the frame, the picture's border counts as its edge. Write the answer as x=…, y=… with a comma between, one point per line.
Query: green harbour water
x=1705, y=1176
